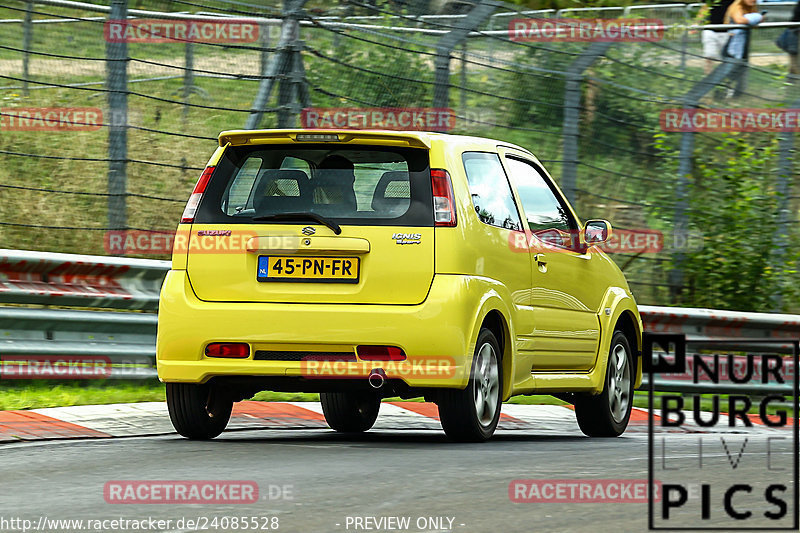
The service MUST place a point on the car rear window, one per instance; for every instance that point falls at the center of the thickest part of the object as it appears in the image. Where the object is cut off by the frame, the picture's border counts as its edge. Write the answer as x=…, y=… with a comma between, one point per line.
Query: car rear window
x=354, y=184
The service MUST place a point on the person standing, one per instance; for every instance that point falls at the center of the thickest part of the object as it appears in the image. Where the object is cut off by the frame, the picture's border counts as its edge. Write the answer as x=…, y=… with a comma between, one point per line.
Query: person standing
x=713, y=12
x=741, y=12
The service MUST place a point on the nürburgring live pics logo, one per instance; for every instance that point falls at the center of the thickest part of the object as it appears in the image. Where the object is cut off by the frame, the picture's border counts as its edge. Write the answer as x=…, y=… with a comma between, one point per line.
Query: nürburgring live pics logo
x=736, y=471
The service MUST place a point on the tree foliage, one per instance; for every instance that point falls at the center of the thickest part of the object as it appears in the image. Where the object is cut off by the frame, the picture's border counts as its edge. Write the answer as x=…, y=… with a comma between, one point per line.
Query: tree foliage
x=734, y=203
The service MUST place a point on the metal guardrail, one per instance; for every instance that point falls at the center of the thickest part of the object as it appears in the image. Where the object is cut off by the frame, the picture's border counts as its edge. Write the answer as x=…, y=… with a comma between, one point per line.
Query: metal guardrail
x=128, y=338
x=702, y=324
x=80, y=280
x=710, y=331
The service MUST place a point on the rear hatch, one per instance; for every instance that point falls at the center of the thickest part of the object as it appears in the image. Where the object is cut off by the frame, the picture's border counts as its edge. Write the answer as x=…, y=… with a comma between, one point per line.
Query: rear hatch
x=283, y=220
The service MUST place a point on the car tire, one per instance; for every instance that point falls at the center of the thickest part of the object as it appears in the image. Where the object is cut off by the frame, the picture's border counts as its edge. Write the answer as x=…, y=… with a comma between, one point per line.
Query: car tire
x=350, y=412
x=472, y=414
x=198, y=412
x=607, y=414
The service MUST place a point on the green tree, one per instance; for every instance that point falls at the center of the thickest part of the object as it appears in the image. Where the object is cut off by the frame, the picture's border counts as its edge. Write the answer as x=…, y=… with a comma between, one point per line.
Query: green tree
x=734, y=203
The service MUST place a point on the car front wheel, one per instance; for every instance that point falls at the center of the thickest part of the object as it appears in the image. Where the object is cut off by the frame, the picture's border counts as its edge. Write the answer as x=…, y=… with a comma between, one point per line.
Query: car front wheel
x=607, y=414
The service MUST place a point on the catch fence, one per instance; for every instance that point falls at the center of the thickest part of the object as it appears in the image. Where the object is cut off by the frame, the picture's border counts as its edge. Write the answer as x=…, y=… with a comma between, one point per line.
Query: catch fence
x=146, y=112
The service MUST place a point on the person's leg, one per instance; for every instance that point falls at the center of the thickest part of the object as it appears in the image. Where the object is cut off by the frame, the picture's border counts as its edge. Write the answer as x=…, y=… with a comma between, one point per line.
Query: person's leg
x=715, y=42
x=709, y=46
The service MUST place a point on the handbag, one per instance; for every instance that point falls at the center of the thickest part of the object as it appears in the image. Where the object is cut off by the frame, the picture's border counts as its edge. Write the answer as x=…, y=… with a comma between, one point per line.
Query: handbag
x=787, y=41
x=738, y=45
x=725, y=52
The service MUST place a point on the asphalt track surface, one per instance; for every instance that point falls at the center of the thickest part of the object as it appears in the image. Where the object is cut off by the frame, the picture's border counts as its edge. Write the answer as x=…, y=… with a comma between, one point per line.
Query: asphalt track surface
x=385, y=472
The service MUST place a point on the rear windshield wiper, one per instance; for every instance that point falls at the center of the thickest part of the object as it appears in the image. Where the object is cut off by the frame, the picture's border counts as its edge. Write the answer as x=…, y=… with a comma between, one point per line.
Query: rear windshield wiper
x=304, y=216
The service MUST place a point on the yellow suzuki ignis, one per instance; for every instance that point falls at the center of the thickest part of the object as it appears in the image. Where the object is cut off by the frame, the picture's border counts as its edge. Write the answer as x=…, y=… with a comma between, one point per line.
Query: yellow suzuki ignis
x=371, y=264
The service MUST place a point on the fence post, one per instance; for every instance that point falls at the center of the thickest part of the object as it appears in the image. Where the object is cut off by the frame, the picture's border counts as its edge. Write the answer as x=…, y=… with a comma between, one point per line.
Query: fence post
x=572, y=107
x=291, y=94
x=687, y=19
x=281, y=62
x=299, y=77
x=680, y=216
x=27, y=37
x=477, y=16
x=490, y=47
x=188, y=80
x=684, y=47
x=117, y=86
x=783, y=186
x=264, y=55
x=462, y=102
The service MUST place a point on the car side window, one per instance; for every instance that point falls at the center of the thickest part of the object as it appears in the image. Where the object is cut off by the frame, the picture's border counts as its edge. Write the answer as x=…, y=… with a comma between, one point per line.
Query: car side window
x=547, y=214
x=490, y=190
x=239, y=191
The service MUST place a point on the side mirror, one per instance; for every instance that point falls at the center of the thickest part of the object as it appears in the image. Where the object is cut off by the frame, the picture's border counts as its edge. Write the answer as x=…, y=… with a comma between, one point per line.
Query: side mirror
x=596, y=232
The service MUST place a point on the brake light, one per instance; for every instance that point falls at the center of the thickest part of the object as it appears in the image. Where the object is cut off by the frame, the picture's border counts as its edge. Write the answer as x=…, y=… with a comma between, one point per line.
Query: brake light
x=444, y=209
x=317, y=137
x=197, y=194
x=234, y=350
x=380, y=353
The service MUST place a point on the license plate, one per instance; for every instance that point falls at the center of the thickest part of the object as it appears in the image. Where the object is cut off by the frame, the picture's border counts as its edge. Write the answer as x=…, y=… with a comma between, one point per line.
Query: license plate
x=309, y=269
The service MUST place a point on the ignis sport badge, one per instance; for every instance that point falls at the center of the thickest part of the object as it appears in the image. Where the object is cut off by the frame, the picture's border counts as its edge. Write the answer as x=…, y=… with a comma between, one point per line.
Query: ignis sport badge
x=407, y=238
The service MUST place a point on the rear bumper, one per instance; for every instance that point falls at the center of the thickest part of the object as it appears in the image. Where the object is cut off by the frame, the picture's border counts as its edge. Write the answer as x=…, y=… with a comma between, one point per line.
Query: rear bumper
x=435, y=336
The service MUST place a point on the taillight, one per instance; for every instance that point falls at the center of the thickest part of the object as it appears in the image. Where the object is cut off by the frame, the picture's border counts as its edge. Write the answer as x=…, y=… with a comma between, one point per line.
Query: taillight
x=444, y=208
x=197, y=194
x=380, y=353
x=234, y=350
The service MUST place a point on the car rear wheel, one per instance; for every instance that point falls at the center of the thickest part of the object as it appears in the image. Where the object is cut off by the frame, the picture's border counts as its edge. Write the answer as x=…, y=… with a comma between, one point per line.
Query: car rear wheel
x=607, y=414
x=198, y=412
x=471, y=415
x=350, y=412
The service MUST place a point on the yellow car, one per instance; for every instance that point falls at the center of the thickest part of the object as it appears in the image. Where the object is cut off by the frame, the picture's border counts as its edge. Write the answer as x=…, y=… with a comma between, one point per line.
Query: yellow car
x=371, y=264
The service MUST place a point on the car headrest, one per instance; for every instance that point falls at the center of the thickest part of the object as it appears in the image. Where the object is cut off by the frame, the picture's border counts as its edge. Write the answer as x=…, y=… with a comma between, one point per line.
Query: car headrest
x=392, y=194
x=283, y=189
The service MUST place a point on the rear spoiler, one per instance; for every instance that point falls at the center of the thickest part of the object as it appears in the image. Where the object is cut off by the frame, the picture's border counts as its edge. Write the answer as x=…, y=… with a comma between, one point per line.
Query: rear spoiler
x=381, y=138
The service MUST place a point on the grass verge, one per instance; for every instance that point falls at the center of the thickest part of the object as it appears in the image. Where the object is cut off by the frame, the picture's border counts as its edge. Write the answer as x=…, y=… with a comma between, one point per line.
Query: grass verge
x=61, y=393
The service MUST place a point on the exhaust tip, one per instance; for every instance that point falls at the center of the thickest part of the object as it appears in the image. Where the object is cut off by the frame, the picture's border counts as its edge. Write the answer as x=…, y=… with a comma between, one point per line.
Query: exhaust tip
x=377, y=378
